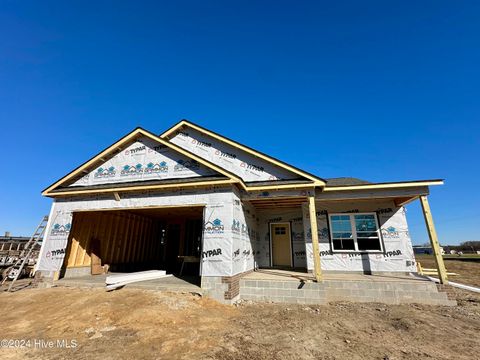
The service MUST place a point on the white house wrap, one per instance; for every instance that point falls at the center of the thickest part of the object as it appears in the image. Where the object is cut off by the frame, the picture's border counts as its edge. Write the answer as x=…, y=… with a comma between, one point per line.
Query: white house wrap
x=192, y=196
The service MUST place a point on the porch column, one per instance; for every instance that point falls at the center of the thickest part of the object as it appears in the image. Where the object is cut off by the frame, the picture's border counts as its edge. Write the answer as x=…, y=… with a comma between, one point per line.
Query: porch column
x=316, y=250
x=432, y=234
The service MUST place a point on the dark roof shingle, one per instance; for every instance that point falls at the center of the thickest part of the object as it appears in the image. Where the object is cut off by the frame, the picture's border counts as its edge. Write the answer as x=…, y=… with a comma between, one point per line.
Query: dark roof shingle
x=345, y=181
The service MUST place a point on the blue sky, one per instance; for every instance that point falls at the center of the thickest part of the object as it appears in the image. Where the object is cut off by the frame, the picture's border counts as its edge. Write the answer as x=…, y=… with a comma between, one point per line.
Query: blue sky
x=378, y=90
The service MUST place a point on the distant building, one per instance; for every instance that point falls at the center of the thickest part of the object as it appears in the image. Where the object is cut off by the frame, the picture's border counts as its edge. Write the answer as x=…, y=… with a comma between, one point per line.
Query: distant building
x=13, y=243
x=422, y=250
x=11, y=249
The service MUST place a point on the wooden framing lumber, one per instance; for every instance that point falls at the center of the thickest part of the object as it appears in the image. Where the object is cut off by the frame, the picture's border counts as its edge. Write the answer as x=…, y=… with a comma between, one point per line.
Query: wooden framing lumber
x=154, y=242
x=73, y=240
x=142, y=188
x=373, y=193
x=277, y=187
x=84, y=239
x=103, y=235
x=402, y=184
x=125, y=210
x=122, y=225
x=89, y=233
x=315, y=247
x=78, y=230
x=427, y=271
x=404, y=200
x=141, y=239
x=432, y=234
x=107, y=242
x=113, y=282
x=138, y=239
x=131, y=239
x=128, y=238
x=148, y=236
x=113, y=240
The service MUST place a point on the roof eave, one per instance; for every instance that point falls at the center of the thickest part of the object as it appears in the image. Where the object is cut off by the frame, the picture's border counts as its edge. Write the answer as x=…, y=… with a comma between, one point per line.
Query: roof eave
x=386, y=185
x=119, y=188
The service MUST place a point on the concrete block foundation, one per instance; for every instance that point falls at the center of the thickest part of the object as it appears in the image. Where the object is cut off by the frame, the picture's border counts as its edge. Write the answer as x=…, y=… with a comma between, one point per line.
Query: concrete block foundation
x=384, y=290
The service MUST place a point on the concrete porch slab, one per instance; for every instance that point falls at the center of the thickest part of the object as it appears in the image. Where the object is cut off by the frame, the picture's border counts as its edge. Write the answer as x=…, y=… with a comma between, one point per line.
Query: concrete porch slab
x=172, y=283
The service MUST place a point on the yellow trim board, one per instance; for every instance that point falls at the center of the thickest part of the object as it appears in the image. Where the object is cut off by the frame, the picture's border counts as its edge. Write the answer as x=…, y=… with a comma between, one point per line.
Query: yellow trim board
x=142, y=187
x=82, y=167
x=126, y=139
x=280, y=187
x=153, y=207
x=116, y=190
x=317, y=181
x=384, y=186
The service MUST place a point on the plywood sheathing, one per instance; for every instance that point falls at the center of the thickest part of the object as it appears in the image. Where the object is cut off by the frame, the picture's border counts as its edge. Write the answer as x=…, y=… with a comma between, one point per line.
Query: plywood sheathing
x=123, y=237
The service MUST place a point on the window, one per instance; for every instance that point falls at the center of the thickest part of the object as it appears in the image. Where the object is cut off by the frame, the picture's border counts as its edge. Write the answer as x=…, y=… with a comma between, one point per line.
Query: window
x=355, y=232
x=280, y=230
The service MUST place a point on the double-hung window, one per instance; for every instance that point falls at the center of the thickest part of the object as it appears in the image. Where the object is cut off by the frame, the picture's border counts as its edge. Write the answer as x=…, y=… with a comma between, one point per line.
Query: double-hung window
x=355, y=232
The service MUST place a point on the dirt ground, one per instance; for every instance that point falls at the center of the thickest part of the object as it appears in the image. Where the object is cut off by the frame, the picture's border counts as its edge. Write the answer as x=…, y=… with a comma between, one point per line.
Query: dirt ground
x=135, y=324
x=467, y=267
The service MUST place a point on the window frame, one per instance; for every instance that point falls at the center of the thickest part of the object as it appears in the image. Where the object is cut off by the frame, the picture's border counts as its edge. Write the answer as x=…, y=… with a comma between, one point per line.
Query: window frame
x=354, y=233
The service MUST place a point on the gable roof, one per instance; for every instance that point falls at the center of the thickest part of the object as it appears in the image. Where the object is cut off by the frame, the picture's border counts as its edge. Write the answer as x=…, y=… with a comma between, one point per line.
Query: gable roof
x=315, y=181
x=222, y=176
x=117, y=147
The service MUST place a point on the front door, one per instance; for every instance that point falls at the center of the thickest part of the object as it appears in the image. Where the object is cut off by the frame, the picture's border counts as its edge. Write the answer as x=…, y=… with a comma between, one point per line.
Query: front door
x=281, y=241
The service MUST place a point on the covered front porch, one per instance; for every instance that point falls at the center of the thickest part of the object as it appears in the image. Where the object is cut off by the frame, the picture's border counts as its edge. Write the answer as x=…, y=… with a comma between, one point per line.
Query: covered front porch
x=325, y=245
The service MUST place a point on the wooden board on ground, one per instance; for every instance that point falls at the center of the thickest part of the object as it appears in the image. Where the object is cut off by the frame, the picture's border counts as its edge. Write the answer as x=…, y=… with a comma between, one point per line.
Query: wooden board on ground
x=113, y=282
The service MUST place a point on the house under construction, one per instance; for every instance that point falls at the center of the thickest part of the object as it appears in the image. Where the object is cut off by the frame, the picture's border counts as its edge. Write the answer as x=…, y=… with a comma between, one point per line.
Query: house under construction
x=192, y=201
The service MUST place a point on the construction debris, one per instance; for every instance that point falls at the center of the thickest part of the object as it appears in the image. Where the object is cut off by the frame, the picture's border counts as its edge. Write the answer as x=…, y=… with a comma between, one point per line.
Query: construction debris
x=17, y=269
x=116, y=281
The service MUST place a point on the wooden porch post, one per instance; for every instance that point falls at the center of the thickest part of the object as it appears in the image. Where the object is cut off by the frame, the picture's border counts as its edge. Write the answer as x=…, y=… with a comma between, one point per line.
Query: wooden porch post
x=442, y=272
x=313, y=226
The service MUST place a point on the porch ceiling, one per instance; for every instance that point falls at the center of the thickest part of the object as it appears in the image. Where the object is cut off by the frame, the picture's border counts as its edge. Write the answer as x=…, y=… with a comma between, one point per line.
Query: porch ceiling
x=401, y=196
x=286, y=202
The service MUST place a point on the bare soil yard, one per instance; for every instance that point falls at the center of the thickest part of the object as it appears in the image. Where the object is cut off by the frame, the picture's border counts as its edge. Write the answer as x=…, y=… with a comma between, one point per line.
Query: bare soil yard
x=466, y=266
x=133, y=324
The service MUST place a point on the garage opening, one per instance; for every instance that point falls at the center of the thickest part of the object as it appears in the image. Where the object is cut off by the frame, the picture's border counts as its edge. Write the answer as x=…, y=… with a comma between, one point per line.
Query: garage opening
x=168, y=238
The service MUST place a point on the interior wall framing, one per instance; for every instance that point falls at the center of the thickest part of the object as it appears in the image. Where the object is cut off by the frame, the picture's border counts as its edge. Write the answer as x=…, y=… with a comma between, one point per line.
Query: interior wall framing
x=124, y=238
